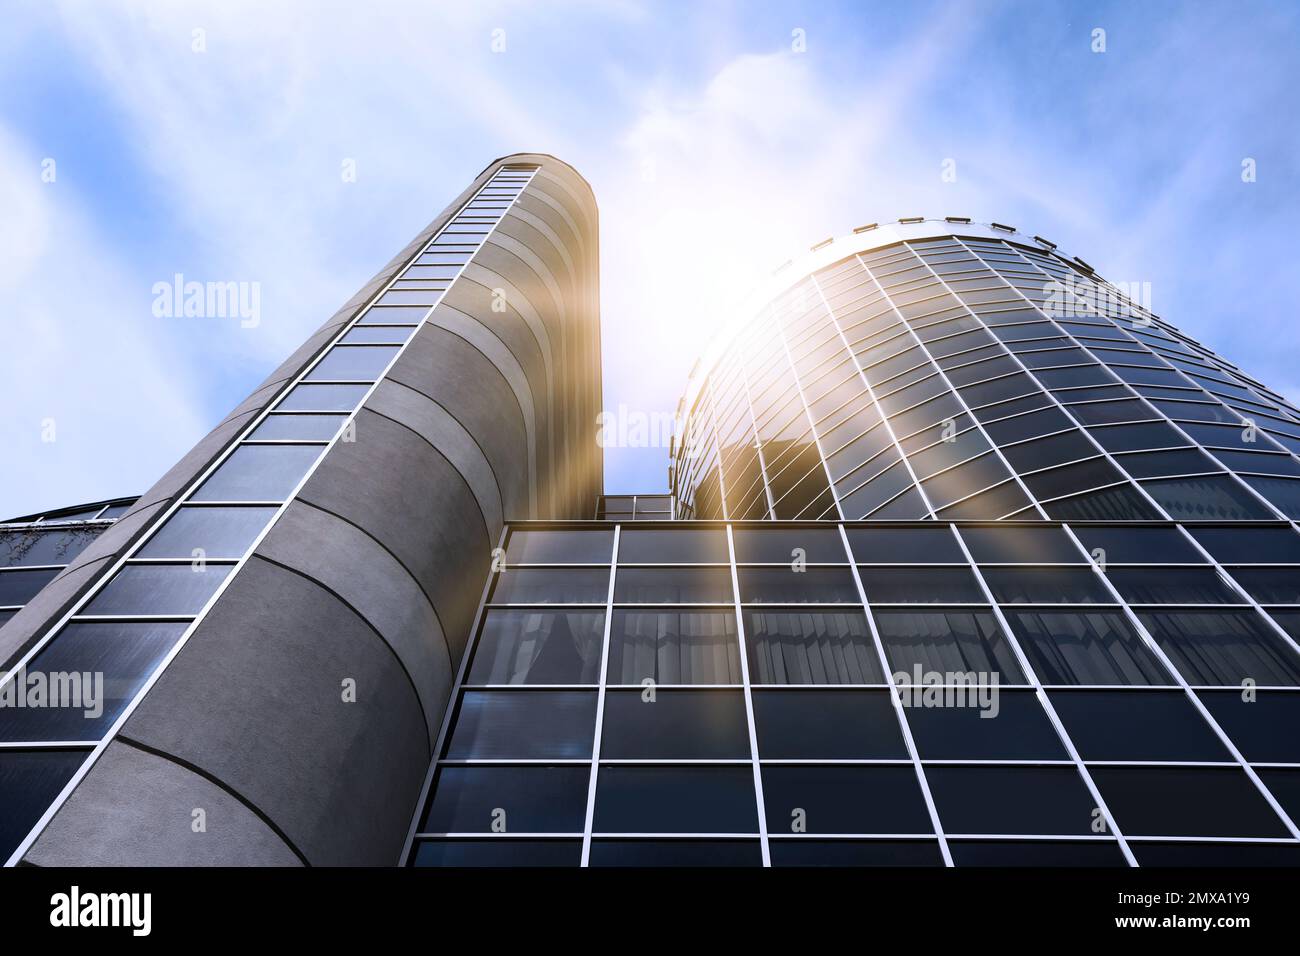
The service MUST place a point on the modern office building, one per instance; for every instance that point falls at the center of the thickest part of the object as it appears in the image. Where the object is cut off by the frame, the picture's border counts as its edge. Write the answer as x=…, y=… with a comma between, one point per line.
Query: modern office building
x=969, y=559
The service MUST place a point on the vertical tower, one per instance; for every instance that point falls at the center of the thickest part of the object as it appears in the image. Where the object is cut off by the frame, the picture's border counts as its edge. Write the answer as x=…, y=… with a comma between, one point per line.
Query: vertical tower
x=279, y=618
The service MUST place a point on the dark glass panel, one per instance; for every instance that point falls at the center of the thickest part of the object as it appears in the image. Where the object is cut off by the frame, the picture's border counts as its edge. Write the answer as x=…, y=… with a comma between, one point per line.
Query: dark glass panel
x=1136, y=725
x=666, y=799
x=30, y=546
x=1013, y=727
x=1011, y=800
x=921, y=586
x=946, y=642
x=1250, y=545
x=1036, y=853
x=1138, y=437
x=159, y=589
x=397, y=315
x=1208, y=498
x=674, y=725
x=1172, y=586
x=20, y=586
x=844, y=800
x=504, y=724
x=498, y=853
x=1270, y=585
x=1117, y=503
x=551, y=586
x=529, y=799
x=1261, y=724
x=1021, y=545
x=685, y=585
x=1084, y=647
x=1047, y=586
x=905, y=546
x=788, y=586
x=126, y=654
x=811, y=647
x=664, y=546
x=1186, y=801
x=560, y=547
x=29, y=782
x=259, y=473
x=811, y=852
x=1138, y=545
x=218, y=532
x=827, y=725
x=1216, y=854
x=1284, y=493
x=538, y=647
x=358, y=363
x=780, y=546
x=1224, y=647
x=709, y=853
x=674, y=647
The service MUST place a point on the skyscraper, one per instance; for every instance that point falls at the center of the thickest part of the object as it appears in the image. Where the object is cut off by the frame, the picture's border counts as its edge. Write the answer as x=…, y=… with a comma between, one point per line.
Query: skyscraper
x=969, y=559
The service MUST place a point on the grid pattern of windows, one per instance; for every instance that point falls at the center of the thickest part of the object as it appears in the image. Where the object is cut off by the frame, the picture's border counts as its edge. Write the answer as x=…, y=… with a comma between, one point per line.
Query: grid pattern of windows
x=971, y=377
x=887, y=694
x=126, y=626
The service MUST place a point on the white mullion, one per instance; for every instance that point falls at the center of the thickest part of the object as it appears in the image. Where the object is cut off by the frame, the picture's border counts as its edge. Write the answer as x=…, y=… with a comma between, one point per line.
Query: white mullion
x=600, y=700
x=743, y=647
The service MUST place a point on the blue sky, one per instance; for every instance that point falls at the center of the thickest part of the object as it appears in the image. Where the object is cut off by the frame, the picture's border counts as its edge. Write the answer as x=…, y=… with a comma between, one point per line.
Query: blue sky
x=716, y=151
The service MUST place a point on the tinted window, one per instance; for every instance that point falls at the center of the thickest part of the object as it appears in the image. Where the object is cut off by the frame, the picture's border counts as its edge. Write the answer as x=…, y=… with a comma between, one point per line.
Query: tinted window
x=921, y=586
x=1186, y=801
x=1224, y=647
x=218, y=532
x=1138, y=545
x=551, y=586
x=1270, y=585
x=760, y=546
x=1084, y=647
x=687, y=545
x=787, y=586
x=29, y=782
x=1172, y=586
x=806, y=852
x=19, y=587
x=946, y=642
x=538, y=647
x=1136, y=725
x=827, y=724
x=809, y=647
x=1047, y=586
x=844, y=800
x=676, y=853
x=675, y=800
x=159, y=589
x=1250, y=545
x=297, y=428
x=1028, y=800
x=1021, y=545
x=522, y=799
x=1190, y=499
x=524, y=725
x=360, y=363
x=674, y=724
x=23, y=546
x=560, y=547
x=1036, y=853
x=905, y=546
x=674, y=647
x=259, y=473
x=1014, y=727
x=498, y=852
x=323, y=398
x=673, y=586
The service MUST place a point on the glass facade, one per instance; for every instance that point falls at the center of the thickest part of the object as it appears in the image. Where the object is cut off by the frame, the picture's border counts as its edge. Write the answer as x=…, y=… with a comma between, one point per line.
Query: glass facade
x=918, y=694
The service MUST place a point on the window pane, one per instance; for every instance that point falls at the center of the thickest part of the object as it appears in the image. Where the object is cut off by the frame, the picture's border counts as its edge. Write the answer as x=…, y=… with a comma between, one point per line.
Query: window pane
x=560, y=547
x=1172, y=586
x=24, y=546
x=323, y=398
x=787, y=586
x=1021, y=546
x=538, y=647
x=674, y=647
x=684, y=545
x=808, y=647
x=1270, y=585
x=125, y=653
x=844, y=800
x=981, y=724
x=1138, y=545
x=1136, y=725
x=1263, y=728
x=159, y=589
x=1190, y=499
x=1036, y=853
x=298, y=427
x=1224, y=647
x=534, y=800
x=781, y=546
x=1028, y=800
x=218, y=532
x=551, y=586
x=921, y=586
x=709, y=853
x=360, y=363
x=1250, y=545
x=20, y=586
x=29, y=782
x=506, y=724
x=498, y=852
x=675, y=800
x=946, y=642
x=259, y=473
x=1186, y=801
x=805, y=852
x=905, y=546
x=1047, y=586
x=673, y=586
x=675, y=724
x=1084, y=647
x=827, y=724
x=1216, y=854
